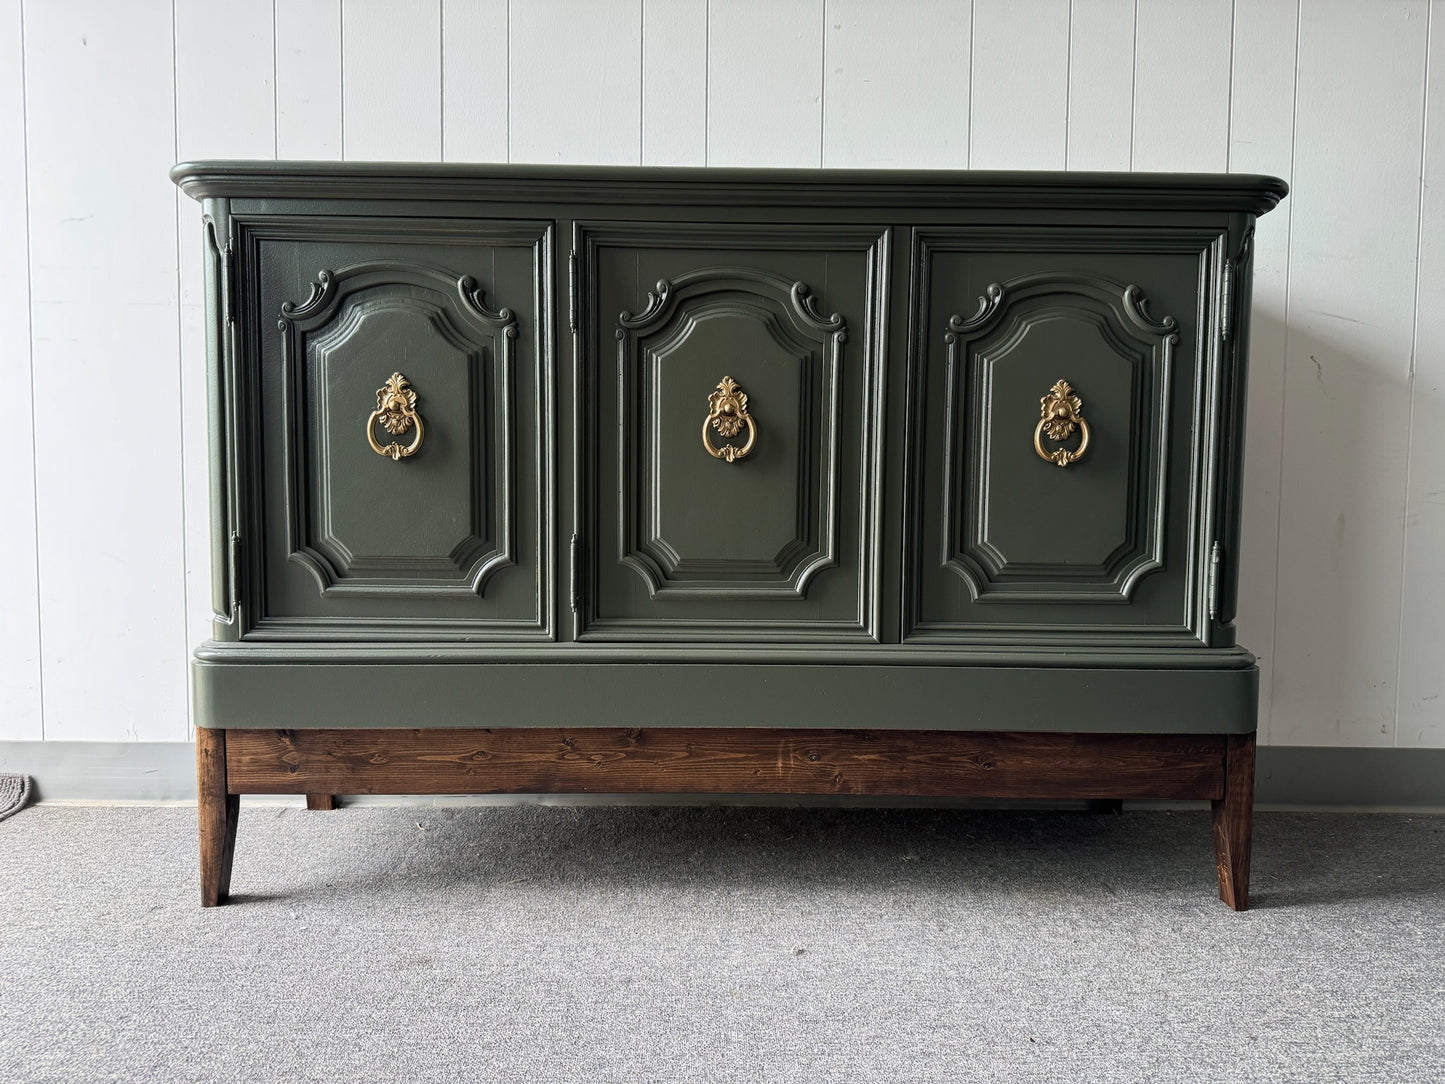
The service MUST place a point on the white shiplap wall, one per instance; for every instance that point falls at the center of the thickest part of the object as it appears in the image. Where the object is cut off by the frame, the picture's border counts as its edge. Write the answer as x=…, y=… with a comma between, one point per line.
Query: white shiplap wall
x=102, y=482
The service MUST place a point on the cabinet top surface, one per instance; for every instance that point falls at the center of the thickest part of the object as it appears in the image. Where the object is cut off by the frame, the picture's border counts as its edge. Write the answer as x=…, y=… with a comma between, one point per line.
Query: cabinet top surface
x=217, y=179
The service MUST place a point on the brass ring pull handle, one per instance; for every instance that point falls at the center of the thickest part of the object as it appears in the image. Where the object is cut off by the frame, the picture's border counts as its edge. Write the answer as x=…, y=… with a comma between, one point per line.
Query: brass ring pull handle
x=1058, y=418
x=728, y=413
x=396, y=411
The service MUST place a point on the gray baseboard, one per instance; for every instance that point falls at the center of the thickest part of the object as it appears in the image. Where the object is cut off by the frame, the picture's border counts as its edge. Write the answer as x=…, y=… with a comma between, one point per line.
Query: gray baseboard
x=1287, y=775
x=141, y=771
x=1307, y=775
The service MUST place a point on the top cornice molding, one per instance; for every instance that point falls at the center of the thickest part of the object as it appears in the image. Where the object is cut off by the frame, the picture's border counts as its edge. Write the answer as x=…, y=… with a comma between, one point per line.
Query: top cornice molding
x=653, y=185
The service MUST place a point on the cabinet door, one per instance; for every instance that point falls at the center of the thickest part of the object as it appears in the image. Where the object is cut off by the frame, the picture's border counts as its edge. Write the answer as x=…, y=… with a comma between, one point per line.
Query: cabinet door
x=731, y=435
x=1062, y=435
x=398, y=449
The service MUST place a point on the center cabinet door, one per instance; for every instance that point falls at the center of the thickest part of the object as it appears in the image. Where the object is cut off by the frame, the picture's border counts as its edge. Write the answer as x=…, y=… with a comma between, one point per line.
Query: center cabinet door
x=730, y=431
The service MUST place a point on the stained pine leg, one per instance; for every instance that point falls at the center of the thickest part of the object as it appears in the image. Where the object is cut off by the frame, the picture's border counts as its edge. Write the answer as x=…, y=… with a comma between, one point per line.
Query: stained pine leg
x=217, y=813
x=1233, y=821
x=321, y=801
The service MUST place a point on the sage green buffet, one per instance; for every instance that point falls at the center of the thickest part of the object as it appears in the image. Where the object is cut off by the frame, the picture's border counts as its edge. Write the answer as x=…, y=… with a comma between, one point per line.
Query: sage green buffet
x=532, y=479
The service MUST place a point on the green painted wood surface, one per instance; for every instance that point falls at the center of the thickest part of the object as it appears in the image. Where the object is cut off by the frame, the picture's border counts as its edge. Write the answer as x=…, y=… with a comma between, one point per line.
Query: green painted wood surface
x=999, y=536
x=452, y=537
x=770, y=546
x=893, y=541
x=715, y=187
x=296, y=695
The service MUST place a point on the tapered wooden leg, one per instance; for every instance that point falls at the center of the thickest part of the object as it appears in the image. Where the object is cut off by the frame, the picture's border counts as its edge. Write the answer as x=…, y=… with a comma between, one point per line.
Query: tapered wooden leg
x=321, y=801
x=217, y=813
x=1233, y=821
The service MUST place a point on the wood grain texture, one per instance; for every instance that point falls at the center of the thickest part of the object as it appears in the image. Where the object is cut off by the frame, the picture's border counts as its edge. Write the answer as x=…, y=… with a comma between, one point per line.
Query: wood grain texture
x=718, y=761
x=321, y=802
x=20, y=631
x=1233, y=820
x=216, y=813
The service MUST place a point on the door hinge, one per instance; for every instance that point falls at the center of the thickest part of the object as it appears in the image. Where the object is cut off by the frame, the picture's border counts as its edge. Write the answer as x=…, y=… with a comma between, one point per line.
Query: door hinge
x=228, y=284
x=1215, y=577
x=572, y=291
x=233, y=573
x=1226, y=313
x=576, y=590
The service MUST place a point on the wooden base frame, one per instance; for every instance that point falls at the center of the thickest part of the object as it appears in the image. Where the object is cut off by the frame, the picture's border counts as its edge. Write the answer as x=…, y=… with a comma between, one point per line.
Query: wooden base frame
x=942, y=764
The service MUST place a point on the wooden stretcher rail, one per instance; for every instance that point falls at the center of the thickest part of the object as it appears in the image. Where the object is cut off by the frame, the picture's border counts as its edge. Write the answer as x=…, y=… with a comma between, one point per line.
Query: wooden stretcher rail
x=725, y=761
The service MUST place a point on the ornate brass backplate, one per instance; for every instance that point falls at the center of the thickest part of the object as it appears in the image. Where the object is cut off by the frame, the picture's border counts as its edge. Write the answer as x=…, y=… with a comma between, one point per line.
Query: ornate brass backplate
x=396, y=411
x=728, y=413
x=1059, y=415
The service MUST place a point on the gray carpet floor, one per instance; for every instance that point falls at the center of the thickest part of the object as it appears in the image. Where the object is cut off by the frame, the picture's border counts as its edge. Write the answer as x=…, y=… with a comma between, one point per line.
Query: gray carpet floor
x=556, y=944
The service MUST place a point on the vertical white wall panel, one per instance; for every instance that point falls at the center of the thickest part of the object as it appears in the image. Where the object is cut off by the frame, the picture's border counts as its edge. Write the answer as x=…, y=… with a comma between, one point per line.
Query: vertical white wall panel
x=577, y=82
x=674, y=82
x=903, y=104
x=474, y=80
x=1101, y=84
x=1181, y=86
x=1353, y=243
x=103, y=537
x=1261, y=132
x=391, y=89
x=308, y=79
x=234, y=117
x=20, y=718
x=765, y=83
x=1421, y=701
x=238, y=37
x=1020, y=102
x=100, y=116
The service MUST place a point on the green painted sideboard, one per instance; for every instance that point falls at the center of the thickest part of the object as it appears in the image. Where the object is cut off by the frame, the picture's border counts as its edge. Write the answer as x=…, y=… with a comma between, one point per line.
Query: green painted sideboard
x=534, y=479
